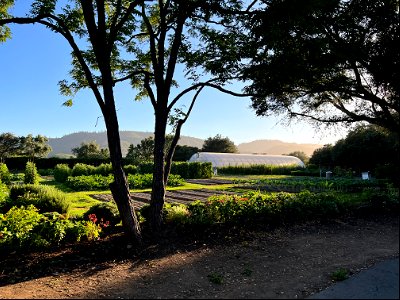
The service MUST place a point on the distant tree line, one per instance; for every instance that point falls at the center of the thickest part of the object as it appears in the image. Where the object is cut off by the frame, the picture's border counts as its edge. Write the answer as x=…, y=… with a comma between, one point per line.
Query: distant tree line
x=29, y=146
x=366, y=148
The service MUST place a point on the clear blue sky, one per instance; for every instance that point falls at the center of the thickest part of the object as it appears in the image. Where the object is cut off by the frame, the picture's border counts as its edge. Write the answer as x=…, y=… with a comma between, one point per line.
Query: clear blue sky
x=35, y=59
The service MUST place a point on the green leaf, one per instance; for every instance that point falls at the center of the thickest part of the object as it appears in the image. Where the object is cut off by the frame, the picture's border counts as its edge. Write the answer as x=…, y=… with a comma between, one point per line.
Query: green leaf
x=68, y=103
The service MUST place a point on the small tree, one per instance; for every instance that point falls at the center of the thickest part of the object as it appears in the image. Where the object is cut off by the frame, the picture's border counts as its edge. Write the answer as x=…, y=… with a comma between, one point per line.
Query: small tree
x=9, y=145
x=32, y=147
x=91, y=150
x=31, y=174
x=219, y=144
x=142, y=152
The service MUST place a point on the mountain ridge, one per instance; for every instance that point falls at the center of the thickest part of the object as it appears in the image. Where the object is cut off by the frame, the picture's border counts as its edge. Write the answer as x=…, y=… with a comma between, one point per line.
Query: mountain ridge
x=63, y=145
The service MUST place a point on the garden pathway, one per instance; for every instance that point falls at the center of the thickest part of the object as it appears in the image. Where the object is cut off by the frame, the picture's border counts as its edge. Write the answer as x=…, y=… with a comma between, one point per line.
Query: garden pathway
x=178, y=196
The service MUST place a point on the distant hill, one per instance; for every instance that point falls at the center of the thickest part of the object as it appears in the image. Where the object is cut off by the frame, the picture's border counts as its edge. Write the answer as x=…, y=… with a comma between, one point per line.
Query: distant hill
x=276, y=147
x=62, y=146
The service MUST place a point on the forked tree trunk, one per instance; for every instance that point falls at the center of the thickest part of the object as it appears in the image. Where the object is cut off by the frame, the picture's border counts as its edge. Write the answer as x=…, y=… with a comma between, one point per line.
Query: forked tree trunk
x=119, y=187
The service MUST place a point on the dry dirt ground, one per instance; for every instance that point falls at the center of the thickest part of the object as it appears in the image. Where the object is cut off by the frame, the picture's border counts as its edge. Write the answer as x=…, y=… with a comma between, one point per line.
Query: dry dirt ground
x=284, y=262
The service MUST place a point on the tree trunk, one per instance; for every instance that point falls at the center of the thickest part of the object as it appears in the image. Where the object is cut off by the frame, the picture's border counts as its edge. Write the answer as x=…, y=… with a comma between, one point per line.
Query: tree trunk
x=119, y=187
x=158, y=187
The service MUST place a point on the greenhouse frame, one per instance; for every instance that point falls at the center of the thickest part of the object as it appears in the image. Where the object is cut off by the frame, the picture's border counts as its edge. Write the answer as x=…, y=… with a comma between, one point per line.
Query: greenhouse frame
x=219, y=160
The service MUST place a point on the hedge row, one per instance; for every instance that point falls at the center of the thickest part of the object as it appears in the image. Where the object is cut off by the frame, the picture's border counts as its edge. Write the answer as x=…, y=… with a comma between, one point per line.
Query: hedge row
x=259, y=170
x=185, y=170
x=19, y=163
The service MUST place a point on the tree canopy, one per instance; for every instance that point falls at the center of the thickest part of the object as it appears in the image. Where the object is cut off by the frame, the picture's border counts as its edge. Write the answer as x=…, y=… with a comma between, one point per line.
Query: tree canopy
x=300, y=155
x=9, y=145
x=90, y=150
x=329, y=61
x=365, y=148
x=219, y=144
x=30, y=146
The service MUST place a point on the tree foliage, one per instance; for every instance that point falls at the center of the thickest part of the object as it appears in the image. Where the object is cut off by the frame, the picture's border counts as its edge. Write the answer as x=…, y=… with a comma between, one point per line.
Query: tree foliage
x=30, y=146
x=90, y=150
x=9, y=145
x=300, y=155
x=142, y=152
x=330, y=61
x=365, y=148
x=34, y=146
x=184, y=152
x=219, y=144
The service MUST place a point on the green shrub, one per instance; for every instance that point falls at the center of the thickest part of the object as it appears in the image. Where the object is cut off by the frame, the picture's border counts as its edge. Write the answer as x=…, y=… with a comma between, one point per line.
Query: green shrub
x=45, y=172
x=3, y=192
x=131, y=169
x=176, y=213
x=186, y=170
x=180, y=168
x=17, y=224
x=45, y=198
x=81, y=169
x=89, y=182
x=61, y=172
x=31, y=174
x=26, y=228
x=199, y=214
x=175, y=180
x=259, y=170
x=105, y=212
x=100, y=182
x=53, y=228
x=18, y=177
x=145, y=168
x=5, y=175
x=103, y=169
x=142, y=181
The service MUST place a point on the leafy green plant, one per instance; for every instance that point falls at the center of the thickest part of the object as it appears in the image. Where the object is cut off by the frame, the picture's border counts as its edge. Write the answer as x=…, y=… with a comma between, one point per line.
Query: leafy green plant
x=5, y=175
x=3, y=192
x=89, y=182
x=199, y=213
x=61, y=172
x=130, y=169
x=340, y=274
x=17, y=224
x=103, y=169
x=81, y=169
x=140, y=181
x=53, y=228
x=31, y=174
x=105, y=212
x=176, y=213
x=45, y=198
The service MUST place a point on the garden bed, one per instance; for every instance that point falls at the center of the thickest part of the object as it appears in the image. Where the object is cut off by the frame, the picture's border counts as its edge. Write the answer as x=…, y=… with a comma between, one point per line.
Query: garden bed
x=178, y=196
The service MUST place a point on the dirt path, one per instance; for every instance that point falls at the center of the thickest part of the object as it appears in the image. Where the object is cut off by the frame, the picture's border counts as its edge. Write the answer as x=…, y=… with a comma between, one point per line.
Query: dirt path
x=290, y=262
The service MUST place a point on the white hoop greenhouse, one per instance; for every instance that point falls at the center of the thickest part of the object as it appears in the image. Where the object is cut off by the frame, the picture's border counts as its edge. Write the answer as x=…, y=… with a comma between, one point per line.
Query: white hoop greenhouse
x=219, y=160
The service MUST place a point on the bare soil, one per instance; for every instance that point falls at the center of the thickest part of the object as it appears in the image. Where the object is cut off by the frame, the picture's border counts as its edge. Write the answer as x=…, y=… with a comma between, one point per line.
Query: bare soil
x=284, y=262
